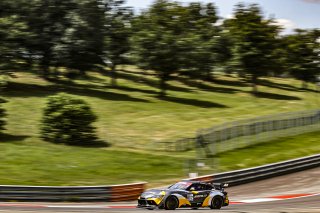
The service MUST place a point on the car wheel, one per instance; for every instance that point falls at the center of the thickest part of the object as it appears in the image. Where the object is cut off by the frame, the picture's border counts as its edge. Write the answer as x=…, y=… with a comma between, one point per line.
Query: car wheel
x=216, y=202
x=171, y=203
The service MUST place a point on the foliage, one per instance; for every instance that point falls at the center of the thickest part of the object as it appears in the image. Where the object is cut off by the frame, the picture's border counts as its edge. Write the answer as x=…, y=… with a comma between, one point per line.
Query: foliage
x=13, y=35
x=117, y=34
x=156, y=41
x=204, y=45
x=47, y=22
x=255, y=42
x=64, y=33
x=302, y=55
x=82, y=42
x=68, y=120
x=171, y=38
x=73, y=36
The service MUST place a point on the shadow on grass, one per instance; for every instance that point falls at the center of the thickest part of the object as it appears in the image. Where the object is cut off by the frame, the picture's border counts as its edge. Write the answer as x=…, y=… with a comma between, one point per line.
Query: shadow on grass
x=85, y=144
x=239, y=83
x=193, y=102
x=145, y=73
x=11, y=138
x=206, y=87
x=102, y=86
x=271, y=84
x=275, y=96
x=93, y=144
x=32, y=90
x=148, y=81
x=131, y=89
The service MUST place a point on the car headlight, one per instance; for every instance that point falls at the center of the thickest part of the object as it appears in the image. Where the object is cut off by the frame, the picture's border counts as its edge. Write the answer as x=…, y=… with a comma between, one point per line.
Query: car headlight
x=160, y=195
x=154, y=196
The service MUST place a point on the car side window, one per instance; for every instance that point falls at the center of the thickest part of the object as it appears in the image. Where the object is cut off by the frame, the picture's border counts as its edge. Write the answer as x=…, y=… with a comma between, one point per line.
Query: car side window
x=203, y=187
x=194, y=187
x=208, y=187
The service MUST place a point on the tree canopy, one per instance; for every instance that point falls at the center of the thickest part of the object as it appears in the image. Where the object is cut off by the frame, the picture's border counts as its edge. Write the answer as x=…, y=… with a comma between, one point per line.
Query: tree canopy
x=254, y=42
x=61, y=38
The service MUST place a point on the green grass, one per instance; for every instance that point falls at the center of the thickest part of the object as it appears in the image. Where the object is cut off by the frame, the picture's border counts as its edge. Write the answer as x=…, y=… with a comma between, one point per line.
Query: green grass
x=133, y=119
x=133, y=116
x=49, y=164
x=270, y=152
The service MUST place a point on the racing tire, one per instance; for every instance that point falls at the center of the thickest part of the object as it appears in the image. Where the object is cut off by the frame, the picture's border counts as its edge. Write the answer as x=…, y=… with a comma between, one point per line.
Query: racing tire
x=216, y=202
x=171, y=203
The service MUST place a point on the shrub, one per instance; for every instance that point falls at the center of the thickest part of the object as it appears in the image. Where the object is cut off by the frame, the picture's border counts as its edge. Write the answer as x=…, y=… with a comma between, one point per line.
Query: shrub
x=68, y=120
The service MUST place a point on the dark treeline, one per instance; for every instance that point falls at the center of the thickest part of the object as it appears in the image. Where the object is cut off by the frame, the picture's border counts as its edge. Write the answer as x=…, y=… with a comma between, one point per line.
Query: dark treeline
x=57, y=38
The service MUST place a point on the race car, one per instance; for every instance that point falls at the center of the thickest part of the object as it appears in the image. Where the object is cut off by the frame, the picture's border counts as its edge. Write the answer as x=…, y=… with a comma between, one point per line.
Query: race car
x=190, y=194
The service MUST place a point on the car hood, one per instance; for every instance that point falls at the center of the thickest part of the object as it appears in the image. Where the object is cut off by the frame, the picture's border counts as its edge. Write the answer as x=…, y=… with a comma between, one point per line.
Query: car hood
x=153, y=192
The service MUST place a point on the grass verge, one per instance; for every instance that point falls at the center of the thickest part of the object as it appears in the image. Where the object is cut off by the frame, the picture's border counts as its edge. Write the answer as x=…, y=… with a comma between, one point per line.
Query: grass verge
x=38, y=163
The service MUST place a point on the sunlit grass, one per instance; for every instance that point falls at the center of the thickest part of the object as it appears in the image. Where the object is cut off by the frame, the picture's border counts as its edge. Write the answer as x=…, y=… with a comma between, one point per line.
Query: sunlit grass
x=38, y=163
x=132, y=115
x=133, y=119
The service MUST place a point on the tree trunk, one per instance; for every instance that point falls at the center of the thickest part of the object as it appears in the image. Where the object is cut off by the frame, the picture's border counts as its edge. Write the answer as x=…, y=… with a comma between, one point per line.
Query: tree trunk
x=254, y=81
x=113, y=76
x=208, y=76
x=304, y=85
x=56, y=72
x=163, y=85
x=45, y=64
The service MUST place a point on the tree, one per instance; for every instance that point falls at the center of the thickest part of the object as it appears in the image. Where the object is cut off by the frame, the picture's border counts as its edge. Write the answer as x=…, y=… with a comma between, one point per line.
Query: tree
x=81, y=46
x=255, y=42
x=303, y=55
x=66, y=34
x=68, y=120
x=169, y=38
x=205, y=45
x=48, y=21
x=13, y=34
x=157, y=40
x=117, y=34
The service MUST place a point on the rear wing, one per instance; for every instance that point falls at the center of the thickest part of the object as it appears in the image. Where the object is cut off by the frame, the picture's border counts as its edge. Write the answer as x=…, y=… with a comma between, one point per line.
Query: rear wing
x=220, y=186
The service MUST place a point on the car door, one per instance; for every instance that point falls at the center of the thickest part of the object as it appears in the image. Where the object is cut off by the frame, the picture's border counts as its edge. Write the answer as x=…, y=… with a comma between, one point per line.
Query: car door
x=199, y=192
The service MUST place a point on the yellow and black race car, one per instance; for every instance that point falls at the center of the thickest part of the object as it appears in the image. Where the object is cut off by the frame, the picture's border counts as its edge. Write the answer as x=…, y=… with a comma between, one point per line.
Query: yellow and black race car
x=192, y=194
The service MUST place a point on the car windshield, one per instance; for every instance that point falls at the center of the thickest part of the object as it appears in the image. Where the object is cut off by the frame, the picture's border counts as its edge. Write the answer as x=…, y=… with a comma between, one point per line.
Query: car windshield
x=180, y=185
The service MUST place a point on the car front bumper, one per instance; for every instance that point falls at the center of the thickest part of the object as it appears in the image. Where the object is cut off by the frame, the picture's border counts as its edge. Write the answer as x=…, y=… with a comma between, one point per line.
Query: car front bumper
x=147, y=203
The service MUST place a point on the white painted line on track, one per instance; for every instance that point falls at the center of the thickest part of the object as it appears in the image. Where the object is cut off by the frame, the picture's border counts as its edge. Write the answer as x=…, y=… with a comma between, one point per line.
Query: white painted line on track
x=77, y=206
x=258, y=200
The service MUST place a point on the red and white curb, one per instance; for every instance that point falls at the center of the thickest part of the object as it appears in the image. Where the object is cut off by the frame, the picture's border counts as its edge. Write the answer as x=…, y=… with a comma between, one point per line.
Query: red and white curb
x=131, y=206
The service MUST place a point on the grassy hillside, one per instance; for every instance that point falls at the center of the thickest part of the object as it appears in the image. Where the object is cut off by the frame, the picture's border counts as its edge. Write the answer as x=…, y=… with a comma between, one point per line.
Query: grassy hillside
x=132, y=118
x=40, y=163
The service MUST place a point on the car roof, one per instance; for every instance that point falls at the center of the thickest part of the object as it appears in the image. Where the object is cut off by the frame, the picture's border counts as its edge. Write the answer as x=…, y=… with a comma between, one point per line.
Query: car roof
x=193, y=181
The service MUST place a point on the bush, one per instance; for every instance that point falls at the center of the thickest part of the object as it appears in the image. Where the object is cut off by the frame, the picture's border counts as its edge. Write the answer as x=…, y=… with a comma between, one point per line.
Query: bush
x=68, y=120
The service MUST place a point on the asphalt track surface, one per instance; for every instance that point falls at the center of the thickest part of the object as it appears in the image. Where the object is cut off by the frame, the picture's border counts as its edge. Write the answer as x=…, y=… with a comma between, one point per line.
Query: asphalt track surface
x=301, y=183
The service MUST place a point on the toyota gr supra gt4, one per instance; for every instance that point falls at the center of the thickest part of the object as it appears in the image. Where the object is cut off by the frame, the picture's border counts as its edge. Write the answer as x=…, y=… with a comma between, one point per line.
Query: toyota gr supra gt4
x=190, y=194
